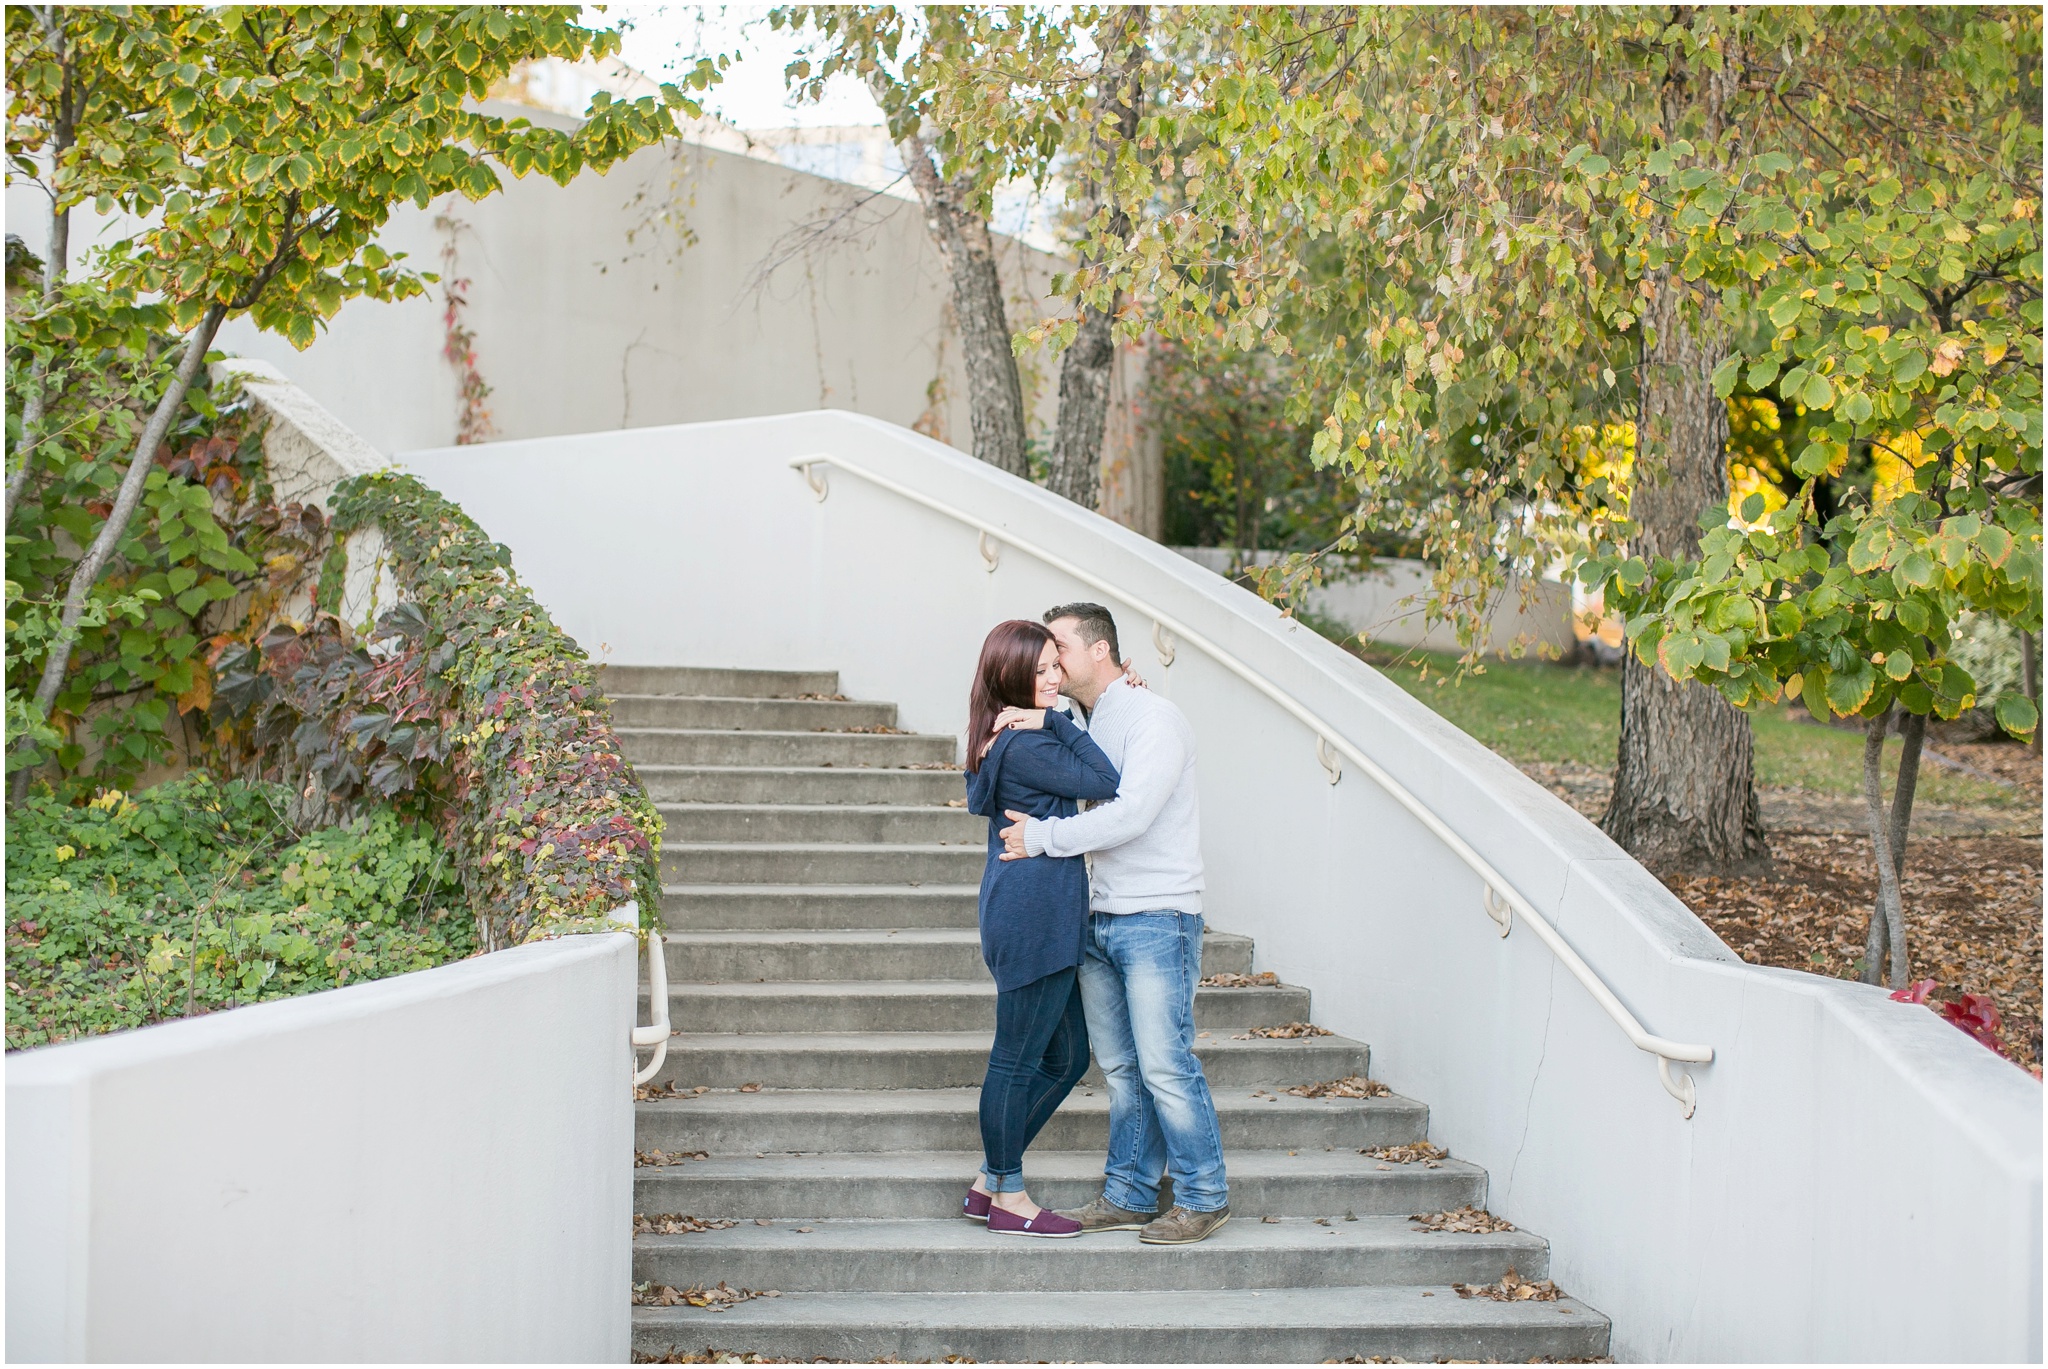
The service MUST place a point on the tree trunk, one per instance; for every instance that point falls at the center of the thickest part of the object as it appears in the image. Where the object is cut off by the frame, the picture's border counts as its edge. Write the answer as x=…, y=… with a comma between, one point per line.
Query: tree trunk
x=1877, y=932
x=32, y=403
x=1684, y=781
x=125, y=502
x=1891, y=915
x=1076, y=470
x=2030, y=681
x=1912, y=735
x=1684, y=784
x=995, y=394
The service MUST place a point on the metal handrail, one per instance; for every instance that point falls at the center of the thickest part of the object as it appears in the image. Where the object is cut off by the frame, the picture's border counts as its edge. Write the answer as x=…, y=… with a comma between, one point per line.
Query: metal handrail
x=1501, y=899
x=656, y=1033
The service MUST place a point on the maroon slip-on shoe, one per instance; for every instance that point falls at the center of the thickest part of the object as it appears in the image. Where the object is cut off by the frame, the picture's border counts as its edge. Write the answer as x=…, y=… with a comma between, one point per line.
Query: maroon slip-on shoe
x=1046, y=1223
x=975, y=1209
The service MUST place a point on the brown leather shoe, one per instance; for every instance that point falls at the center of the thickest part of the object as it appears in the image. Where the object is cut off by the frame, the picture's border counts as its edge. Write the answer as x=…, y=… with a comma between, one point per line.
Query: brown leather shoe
x=1100, y=1214
x=1182, y=1227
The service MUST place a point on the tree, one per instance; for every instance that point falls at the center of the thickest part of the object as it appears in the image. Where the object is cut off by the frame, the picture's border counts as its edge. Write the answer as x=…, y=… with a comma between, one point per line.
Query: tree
x=1896, y=295
x=978, y=97
x=49, y=97
x=1238, y=468
x=1478, y=335
x=263, y=147
x=1451, y=161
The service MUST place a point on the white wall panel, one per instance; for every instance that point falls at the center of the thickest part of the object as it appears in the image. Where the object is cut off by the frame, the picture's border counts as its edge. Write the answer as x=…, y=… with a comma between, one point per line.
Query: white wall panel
x=433, y=1167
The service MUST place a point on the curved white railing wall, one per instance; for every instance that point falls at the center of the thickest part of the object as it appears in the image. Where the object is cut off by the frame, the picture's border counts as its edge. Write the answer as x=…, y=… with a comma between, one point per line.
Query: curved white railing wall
x=1844, y=1147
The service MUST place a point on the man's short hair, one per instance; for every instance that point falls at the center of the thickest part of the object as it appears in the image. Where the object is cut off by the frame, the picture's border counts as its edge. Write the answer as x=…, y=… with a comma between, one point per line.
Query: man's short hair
x=1092, y=624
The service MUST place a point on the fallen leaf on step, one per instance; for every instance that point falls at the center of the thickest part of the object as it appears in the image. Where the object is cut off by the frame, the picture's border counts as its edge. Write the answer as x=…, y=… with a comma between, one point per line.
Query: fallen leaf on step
x=665, y=1157
x=956, y=803
x=762, y=1221
x=1351, y=1086
x=750, y=1088
x=803, y=1231
x=717, y=1299
x=1286, y=1032
x=1415, y=1152
x=1265, y=979
x=1473, y=1220
x=1273, y=1220
x=675, y=1224
x=1511, y=1288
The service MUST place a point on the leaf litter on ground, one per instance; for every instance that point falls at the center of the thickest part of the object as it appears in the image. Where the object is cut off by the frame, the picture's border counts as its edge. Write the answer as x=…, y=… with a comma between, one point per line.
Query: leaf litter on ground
x=716, y=1299
x=668, y=1157
x=1264, y=979
x=1285, y=1032
x=676, y=1224
x=1475, y=1221
x=1414, y=1152
x=1351, y=1086
x=1511, y=1288
x=1973, y=916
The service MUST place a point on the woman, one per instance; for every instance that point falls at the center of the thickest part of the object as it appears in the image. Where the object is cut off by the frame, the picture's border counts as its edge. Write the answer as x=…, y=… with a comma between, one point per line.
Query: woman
x=1033, y=914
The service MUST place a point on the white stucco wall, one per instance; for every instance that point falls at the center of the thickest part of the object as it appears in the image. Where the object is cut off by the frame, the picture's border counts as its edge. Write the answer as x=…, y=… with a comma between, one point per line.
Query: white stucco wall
x=1861, y=1181
x=1389, y=603
x=643, y=297
x=434, y=1167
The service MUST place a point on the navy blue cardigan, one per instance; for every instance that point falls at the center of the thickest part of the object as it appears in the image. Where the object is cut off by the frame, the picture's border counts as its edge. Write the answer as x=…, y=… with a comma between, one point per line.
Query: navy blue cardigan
x=1034, y=913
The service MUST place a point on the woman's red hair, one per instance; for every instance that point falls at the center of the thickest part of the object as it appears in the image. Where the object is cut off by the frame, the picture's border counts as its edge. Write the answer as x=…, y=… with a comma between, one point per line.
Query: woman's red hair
x=1007, y=677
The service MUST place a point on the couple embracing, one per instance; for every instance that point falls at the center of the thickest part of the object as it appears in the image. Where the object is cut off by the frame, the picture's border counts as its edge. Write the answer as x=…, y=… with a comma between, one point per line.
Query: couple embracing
x=1091, y=923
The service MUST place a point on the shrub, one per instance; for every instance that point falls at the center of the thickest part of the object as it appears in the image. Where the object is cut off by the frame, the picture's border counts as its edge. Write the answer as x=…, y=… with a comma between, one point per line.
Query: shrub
x=466, y=702
x=197, y=895
x=209, y=550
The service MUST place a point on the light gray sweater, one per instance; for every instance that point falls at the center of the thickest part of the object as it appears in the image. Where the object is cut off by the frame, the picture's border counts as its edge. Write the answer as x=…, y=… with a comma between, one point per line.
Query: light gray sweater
x=1147, y=841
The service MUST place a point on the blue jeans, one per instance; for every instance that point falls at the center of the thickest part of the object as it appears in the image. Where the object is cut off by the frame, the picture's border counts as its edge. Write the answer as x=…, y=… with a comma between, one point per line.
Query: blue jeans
x=1138, y=986
x=1040, y=1053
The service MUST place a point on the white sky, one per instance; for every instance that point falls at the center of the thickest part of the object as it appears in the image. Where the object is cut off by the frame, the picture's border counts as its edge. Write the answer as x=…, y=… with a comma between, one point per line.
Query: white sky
x=662, y=39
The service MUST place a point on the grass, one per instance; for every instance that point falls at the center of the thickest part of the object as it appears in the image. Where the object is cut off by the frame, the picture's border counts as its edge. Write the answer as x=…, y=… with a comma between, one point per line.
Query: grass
x=1538, y=711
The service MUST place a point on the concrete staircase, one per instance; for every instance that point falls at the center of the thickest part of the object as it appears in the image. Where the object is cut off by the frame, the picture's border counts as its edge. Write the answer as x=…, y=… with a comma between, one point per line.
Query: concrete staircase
x=832, y=1020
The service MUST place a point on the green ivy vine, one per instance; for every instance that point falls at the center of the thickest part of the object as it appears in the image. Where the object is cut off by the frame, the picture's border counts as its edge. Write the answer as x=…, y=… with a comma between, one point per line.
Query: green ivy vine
x=550, y=826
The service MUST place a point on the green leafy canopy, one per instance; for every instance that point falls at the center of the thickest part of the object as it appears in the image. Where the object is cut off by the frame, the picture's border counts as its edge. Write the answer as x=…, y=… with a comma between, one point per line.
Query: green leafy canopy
x=264, y=146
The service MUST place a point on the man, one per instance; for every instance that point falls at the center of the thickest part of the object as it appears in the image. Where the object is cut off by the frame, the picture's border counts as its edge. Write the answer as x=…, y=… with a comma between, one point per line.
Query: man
x=1144, y=948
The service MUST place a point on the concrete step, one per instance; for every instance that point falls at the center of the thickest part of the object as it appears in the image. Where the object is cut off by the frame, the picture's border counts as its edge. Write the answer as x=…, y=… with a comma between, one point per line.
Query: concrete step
x=806, y=823
x=821, y=863
x=950, y=1255
x=751, y=715
x=702, y=746
x=733, y=684
x=693, y=907
x=821, y=1120
x=1217, y=1325
x=798, y=784
x=1263, y=1183
x=883, y=1005
x=896, y=954
x=958, y=1059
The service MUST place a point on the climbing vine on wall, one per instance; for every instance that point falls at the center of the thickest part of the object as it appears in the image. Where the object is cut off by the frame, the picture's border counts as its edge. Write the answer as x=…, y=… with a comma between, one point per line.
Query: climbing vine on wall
x=468, y=701
x=458, y=343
